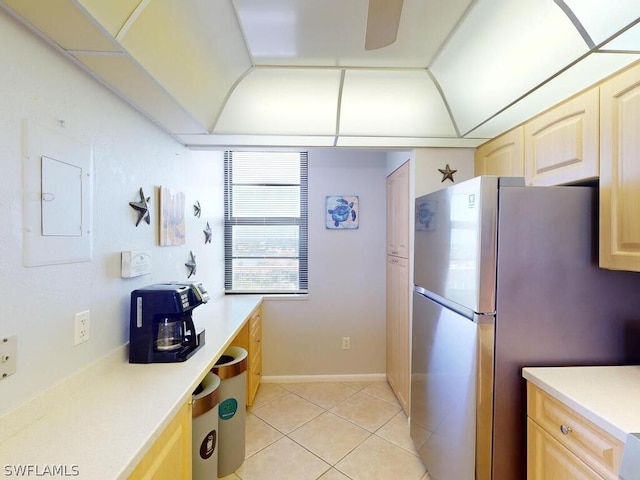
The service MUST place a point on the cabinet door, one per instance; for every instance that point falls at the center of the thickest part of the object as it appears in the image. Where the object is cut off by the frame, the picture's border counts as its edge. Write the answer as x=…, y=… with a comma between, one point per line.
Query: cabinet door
x=170, y=457
x=561, y=145
x=398, y=212
x=502, y=156
x=398, y=340
x=250, y=338
x=547, y=459
x=591, y=444
x=620, y=172
x=254, y=375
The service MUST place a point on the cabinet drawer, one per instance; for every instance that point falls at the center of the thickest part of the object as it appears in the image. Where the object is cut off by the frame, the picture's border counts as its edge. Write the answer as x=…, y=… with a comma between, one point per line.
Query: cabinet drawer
x=548, y=459
x=255, y=336
x=597, y=448
x=255, y=321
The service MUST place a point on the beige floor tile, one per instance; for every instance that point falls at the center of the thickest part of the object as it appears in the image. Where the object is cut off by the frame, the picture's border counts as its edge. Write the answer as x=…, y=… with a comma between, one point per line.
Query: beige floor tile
x=397, y=432
x=232, y=476
x=267, y=392
x=377, y=459
x=334, y=474
x=381, y=390
x=367, y=411
x=292, y=387
x=283, y=460
x=326, y=395
x=288, y=413
x=259, y=435
x=329, y=437
x=358, y=385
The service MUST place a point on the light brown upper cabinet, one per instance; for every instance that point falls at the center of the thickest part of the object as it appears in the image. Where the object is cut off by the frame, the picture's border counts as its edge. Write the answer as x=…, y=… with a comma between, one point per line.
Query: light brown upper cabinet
x=398, y=212
x=620, y=171
x=502, y=156
x=561, y=145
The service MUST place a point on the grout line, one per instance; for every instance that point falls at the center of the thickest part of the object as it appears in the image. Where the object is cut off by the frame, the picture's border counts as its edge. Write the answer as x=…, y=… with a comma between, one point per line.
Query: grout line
x=356, y=390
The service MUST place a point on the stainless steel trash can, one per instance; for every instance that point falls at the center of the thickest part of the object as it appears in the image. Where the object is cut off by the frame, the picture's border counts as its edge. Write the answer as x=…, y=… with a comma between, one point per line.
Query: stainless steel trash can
x=204, y=415
x=232, y=370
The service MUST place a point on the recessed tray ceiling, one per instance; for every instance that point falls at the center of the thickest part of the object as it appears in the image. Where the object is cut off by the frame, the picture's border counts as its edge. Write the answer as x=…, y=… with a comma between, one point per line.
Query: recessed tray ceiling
x=295, y=72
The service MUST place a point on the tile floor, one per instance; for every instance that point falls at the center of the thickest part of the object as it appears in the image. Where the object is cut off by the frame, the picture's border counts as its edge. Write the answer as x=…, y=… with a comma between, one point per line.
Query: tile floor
x=328, y=431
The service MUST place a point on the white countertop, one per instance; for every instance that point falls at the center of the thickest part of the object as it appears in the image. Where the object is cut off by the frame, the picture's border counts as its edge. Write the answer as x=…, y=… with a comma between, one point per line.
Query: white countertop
x=607, y=396
x=104, y=419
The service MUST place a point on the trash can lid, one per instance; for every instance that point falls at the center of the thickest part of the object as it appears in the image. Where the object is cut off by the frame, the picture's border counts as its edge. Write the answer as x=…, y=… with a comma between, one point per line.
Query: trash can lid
x=232, y=362
x=206, y=395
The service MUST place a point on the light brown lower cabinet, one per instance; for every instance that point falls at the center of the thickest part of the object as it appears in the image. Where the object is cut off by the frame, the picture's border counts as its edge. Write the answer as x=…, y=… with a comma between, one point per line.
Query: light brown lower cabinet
x=563, y=445
x=250, y=338
x=398, y=342
x=169, y=458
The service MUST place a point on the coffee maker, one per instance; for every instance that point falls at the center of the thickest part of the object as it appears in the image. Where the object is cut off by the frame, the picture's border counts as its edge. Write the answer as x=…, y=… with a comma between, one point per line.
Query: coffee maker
x=161, y=328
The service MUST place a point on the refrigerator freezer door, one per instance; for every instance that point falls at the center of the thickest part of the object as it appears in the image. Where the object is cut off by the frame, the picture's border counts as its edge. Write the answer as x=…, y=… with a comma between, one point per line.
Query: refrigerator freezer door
x=447, y=391
x=455, y=242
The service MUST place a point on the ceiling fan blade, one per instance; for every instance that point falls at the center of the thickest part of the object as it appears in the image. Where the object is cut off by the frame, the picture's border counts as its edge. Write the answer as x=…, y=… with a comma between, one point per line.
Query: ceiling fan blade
x=383, y=20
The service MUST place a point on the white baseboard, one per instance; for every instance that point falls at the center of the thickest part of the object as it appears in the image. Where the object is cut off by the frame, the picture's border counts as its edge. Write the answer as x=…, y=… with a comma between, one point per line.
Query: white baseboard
x=363, y=377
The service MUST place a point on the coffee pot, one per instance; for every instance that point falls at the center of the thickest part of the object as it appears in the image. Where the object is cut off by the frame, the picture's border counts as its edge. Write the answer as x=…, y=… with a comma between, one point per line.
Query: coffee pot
x=169, y=336
x=161, y=323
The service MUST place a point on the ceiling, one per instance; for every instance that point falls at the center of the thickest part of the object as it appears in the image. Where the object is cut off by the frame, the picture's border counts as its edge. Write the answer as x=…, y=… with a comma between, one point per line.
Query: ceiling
x=296, y=72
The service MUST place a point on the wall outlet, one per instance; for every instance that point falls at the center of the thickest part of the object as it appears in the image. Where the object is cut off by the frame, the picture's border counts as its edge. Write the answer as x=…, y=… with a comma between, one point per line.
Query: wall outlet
x=82, y=327
x=346, y=343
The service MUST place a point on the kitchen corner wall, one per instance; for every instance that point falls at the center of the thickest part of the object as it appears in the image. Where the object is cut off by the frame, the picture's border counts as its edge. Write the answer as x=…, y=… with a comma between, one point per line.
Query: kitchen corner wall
x=40, y=86
x=346, y=278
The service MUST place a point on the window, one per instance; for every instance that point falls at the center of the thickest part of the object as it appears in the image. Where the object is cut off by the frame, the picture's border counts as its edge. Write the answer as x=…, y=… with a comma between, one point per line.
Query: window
x=265, y=222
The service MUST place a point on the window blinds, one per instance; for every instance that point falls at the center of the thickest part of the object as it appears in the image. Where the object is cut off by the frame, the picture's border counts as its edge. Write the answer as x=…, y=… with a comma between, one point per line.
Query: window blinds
x=265, y=230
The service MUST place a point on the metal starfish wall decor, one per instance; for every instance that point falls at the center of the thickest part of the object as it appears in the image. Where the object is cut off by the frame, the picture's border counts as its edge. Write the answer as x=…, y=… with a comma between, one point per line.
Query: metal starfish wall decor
x=197, y=210
x=447, y=173
x=207, y=234
x=191, y=264
x=142, y=207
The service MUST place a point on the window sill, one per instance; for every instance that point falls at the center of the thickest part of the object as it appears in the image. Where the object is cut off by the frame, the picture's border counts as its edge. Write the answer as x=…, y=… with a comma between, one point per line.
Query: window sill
x=296, y=297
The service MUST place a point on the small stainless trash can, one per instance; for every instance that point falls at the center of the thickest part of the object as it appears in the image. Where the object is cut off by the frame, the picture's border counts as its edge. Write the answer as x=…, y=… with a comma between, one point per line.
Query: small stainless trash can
x=232, y=370
x=204, y=415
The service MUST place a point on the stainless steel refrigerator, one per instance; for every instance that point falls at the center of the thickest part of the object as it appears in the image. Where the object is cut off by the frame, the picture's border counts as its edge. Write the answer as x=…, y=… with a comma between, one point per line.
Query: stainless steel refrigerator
x=505, y=276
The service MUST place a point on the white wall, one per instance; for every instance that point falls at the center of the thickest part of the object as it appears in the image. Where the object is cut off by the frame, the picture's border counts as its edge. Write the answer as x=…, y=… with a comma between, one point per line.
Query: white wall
x=346, y=278
x=427, y=178
x=38, y=303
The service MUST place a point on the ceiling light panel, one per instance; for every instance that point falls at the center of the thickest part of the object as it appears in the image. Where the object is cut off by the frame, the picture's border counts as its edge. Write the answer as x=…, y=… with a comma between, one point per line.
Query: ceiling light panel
x=193, y=48
x=121, y=74
x=580, y=76
x=65, y=24
x=283, y=101
x=602, y=19
x=408, y=142
x=331, y=33
x=502, y=50
x=391, y=103
x=627, y=41
x=256, y=141
x=111, y=15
